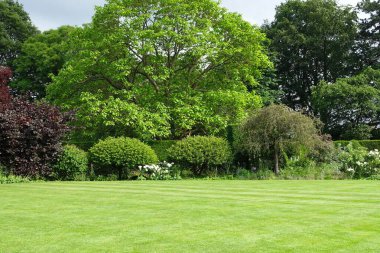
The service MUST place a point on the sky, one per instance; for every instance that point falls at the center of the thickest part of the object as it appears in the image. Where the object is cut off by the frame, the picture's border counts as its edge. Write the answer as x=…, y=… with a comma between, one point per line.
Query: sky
x=50, y=14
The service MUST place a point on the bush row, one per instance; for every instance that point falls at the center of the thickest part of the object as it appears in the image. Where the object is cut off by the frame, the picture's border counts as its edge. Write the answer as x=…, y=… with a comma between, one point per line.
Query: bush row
x=126, y=158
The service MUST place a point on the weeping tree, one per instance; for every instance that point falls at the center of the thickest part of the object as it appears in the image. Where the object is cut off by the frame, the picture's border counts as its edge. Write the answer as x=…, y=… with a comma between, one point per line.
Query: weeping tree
x=275, y=129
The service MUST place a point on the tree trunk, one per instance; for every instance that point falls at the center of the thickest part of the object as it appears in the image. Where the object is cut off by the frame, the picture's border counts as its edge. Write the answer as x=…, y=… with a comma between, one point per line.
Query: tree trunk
x=276, y=162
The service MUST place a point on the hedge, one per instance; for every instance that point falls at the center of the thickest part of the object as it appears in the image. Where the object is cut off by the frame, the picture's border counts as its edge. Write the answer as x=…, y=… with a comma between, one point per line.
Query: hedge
x=161, y=148
x=369, y=144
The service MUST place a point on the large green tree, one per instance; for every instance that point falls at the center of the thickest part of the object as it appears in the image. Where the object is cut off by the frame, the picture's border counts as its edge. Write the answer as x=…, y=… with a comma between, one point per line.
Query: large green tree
x=312, y=40
x=369, y=38
x=15, y=28
x=40, y=57
x=161, y=69
x=350, y=107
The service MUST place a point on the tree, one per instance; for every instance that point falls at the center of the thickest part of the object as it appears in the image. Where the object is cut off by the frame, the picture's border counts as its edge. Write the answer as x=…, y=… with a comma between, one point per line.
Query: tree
x=312, y=41
x=350, y=107
x=161, y=69
x=41, y=56
x=369, y=36
x=275, y=129
x=15, y=28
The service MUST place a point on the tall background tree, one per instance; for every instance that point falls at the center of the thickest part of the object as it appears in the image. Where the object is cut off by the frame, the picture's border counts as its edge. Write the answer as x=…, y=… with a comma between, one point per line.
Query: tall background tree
x=369, y=37
x=40, y=57
x=312, y=41
x=162, y=69
x=350, y=107
x=15, y=28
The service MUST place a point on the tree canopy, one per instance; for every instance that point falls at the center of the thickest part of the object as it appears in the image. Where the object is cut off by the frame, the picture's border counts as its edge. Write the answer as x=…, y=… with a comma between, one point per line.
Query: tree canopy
x=41, y=55
x=15, y=28
x=350, y=107
x=369, y=36
x=160, y=69
x=312, y=40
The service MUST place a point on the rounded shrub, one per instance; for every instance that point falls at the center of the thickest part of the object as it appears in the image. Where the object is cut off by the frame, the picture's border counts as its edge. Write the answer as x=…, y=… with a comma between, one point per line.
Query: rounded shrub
x=71, y=164
x=201, y=154
x=120, y=155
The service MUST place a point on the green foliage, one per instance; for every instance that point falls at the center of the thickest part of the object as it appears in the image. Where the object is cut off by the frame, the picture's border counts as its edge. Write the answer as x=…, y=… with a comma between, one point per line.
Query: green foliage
x=120, y=155
x=41, y=56
x=358, y=132
x=312, y=40
x=72, y=163
x=314, y=172
x=263, y=174
x=276, y=128
x=350, y=107
x=242, y=174
x=161, y=148
x=12, y=179
x=15, y=28
x=161, y=69
x=302, y=167
x=369, y=36
x=369, y=144
x=357, y=161
x=202, y=154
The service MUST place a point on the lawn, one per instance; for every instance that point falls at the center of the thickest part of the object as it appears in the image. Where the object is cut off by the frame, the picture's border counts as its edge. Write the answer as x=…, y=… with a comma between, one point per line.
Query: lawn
x=191, y=216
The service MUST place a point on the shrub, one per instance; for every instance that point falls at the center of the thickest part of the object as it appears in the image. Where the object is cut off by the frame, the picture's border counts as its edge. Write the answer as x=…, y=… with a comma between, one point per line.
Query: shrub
x=312, y=171
x=263, y=174
x=242, y=173
x=30, y=136
x=12, y=179
x=120, y=155
x=357, y=161
x=201, y=154
x=72, y=163
x=161, y=148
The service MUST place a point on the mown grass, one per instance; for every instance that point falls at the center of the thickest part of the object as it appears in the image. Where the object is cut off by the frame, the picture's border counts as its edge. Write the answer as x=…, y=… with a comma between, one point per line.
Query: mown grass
x=191, y=216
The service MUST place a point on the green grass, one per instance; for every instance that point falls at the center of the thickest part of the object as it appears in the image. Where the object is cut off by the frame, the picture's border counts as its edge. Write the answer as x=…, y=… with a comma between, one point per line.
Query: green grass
x=191, y=216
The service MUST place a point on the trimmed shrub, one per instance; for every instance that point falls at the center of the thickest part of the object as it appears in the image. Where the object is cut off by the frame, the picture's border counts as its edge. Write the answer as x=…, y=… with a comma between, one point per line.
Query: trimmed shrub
x=369, y=144
x=120, y=155
x=161, y=148
x=72, y=163
x=201, y=154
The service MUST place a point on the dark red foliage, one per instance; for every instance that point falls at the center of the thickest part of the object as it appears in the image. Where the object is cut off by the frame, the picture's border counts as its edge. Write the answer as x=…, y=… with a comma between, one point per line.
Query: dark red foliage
x=5, y=75
x=30, y=136
x=5, y=96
